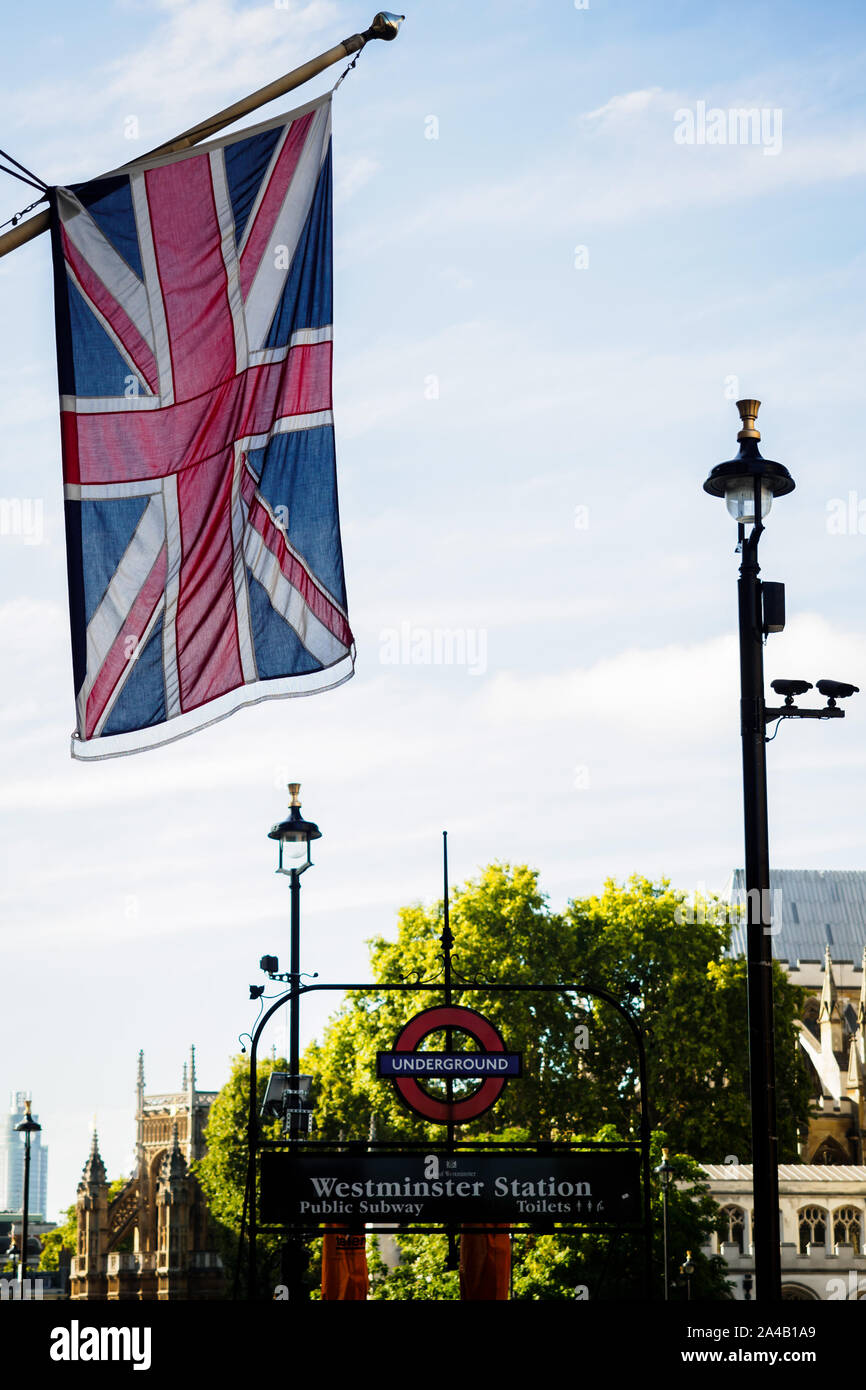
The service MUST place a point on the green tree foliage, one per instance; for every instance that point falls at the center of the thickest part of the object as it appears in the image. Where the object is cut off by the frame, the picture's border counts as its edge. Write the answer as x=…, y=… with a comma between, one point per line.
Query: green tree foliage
x=645, y=939
x=63, y=1237
x=594, y=1267
x=222, y=1172
x=634, y=940
x=422, y=1274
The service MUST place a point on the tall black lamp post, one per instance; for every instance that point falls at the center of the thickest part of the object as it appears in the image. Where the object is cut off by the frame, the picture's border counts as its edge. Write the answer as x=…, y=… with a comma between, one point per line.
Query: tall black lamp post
x=294, y=837
x=28, y=1127
x=688, y=1270
x=748, y=484
x=665, y=1173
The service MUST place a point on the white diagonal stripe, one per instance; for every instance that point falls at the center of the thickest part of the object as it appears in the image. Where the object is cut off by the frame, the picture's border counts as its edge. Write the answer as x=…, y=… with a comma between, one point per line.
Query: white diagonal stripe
x=269, y=280
x=174, y=557
x=97, y=313
x=295, y=554
x=263, y=186
x=114, y=608
x=226, y=220
x=106, y=263
x=128, y=669
x=288, y=602
x=239, y=573
x=159, y=335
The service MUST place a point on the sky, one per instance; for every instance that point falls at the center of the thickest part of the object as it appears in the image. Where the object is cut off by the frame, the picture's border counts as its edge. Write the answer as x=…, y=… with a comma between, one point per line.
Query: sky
x=550, y=289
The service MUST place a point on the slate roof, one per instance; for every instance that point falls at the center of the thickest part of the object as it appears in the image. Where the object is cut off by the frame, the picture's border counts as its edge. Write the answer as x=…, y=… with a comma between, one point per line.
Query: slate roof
x=819, y=908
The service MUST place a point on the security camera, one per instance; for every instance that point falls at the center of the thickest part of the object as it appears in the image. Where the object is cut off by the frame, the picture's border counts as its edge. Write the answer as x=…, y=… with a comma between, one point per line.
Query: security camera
x=791, y=687
x=270, y=965
x=837, y=690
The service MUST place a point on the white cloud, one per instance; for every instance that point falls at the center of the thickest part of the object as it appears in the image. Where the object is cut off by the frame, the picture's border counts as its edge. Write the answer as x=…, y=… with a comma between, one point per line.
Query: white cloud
x=624, y=106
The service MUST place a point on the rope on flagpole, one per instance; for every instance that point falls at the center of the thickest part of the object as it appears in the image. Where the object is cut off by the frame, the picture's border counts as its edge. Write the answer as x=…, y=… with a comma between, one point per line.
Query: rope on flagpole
x=13, y=221
x=25, y=176
x=345, y=74
x=31, y=178
x=32, y=182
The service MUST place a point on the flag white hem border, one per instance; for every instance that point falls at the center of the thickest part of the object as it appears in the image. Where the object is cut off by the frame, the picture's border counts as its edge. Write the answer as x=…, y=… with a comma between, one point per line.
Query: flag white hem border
x=238, y=699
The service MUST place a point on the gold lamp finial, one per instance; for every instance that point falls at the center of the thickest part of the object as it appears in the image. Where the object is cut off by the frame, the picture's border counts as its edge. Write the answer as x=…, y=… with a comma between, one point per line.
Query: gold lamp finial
x=748, y=414
x=294, y=788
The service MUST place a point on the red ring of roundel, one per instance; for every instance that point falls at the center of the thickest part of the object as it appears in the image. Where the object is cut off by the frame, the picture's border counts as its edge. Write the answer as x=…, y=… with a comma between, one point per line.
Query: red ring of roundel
x=483, y=1031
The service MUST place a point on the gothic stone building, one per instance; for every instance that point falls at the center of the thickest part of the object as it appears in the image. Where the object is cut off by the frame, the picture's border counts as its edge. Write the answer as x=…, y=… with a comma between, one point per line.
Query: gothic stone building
x=151, y=1241
x=819, y=934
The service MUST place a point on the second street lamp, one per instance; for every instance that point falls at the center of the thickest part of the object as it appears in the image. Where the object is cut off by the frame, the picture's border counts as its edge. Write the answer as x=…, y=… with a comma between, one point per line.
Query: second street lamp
x=28, y=1127
x=665, y=1173
x=748, y=483
x=294, y=836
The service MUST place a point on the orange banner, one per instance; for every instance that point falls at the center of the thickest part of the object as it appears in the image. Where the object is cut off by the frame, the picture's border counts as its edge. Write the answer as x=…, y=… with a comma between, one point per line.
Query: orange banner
x=344, y=1265
x=485, y=1264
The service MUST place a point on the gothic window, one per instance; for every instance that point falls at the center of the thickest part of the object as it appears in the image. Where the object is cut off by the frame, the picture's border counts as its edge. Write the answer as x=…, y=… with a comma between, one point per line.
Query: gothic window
x=734, y=1229
x=813, y=1227
x=846, y=1227
x=829, y=1152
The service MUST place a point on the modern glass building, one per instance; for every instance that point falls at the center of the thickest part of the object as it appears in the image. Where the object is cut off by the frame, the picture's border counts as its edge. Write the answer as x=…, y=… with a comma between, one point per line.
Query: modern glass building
x=12, y=1162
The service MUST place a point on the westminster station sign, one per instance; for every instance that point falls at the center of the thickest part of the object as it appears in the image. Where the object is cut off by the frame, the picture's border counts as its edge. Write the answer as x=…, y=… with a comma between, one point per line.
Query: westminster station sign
x=574, y=1188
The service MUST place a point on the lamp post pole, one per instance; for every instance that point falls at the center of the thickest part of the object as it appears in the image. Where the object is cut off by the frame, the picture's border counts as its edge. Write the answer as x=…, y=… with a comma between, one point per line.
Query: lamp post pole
x=762, y=1055
x=687, y=1270
x=295, y=1003
x=294, y=836
x=665, y=1172
x=749, y=483
x=28, y=1126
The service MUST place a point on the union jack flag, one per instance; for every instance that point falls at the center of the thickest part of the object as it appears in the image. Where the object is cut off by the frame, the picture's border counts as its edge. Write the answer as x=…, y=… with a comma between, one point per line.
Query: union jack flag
x=193, y=303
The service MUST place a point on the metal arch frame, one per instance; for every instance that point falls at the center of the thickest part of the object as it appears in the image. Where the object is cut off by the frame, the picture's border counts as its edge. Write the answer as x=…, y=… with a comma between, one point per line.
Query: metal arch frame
x=293, y=997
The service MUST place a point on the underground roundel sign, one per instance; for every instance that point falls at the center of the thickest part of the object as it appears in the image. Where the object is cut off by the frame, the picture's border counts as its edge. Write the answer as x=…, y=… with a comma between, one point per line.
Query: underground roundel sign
x=409, y=1066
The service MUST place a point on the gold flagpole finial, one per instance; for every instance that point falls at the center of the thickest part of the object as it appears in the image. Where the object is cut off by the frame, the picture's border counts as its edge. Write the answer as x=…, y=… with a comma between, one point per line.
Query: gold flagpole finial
x=748, y=414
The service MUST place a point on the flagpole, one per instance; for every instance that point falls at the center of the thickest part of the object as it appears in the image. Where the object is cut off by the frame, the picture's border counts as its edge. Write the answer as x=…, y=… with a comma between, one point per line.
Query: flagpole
x=385, y=26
